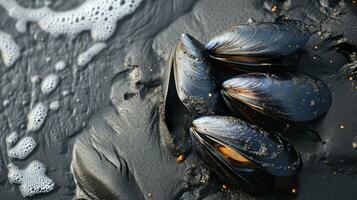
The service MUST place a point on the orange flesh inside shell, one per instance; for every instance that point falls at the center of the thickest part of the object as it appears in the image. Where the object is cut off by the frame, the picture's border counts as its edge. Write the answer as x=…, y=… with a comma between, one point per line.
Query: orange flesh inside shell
x=230, y=153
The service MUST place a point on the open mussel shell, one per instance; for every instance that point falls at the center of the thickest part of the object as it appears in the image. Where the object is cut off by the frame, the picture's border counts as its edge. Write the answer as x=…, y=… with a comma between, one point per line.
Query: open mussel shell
x=262, y=44
x=288, y=96
x=238, y=147
x=188, y=75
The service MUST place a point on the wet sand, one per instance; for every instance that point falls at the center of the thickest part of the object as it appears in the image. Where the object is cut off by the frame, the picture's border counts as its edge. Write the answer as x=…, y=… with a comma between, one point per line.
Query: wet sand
x=109, y=127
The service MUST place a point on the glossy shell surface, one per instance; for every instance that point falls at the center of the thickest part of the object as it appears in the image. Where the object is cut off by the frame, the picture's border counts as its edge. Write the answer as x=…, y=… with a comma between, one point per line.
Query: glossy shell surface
x=269, y=153
x=293, y=97
x=189, y=71
x=259, y=44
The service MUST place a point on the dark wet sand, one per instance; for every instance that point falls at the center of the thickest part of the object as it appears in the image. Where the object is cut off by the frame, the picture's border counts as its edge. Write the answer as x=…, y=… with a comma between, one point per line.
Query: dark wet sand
x=111, y=126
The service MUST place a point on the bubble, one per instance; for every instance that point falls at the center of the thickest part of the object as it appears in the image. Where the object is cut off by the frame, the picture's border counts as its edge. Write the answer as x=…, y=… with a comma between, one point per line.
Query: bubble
x=65, y=93
x=12, y=138
x=35, y=79
x=251, y=20
x=36, y=117
x=85, y=57
x=49, y=83
x=60, y=65
x=6, y=103
x=23, y=148
x=10, y=51
x=91, y=16
x=32, y=179
x=54, y=105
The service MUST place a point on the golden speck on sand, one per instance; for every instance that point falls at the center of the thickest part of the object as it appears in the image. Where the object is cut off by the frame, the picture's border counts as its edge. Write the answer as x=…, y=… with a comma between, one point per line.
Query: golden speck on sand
x=180, y=158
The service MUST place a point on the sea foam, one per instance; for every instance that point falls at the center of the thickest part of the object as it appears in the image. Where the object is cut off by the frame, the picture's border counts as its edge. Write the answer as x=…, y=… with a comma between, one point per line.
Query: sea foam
x=54, y=105
x=97, y=16
x=32, y=179
x=10, y=51
x=60, y=65
x=85, y=57
x=12, y=138
x=23, y=148
x=36, y=117
x=49, y=83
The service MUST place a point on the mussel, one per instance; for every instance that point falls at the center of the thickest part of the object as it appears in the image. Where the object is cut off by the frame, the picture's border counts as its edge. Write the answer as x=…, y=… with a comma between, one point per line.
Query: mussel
x=190, y=78
x=242, y=153
x=293, y=97
x=262, y=44
x=234, y=148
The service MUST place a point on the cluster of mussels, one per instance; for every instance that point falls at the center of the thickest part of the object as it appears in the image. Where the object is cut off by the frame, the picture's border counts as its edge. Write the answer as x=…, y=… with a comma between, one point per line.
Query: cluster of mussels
x=239, y=91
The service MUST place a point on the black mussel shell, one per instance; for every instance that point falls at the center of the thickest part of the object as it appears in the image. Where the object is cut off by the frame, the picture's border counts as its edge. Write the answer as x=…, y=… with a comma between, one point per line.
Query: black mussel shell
x=237, y=147
x=288, y=96
x=270, y=124
x=188, y=74
x=262, y=44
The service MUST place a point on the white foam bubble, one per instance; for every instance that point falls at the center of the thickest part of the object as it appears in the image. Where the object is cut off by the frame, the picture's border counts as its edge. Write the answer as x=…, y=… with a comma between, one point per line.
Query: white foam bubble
x=32, y=179
x=23, y=148
x=85, y=57
x=65, y=93
x=10, y=51
x=97, y=16
x=54, y=105
x=23, y=15
x=60, y=65
x=12, y=138
x=6, y=103
x=49, y=83
x=36, y=117
x=35, y=79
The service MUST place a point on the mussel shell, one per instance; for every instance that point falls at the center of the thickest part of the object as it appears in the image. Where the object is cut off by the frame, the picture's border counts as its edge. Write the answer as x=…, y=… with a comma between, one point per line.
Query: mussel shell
x=242, y=111
x=290, y=96
x=259, y=44
x=258, y=182
x=189, y=75
x=269, y=153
